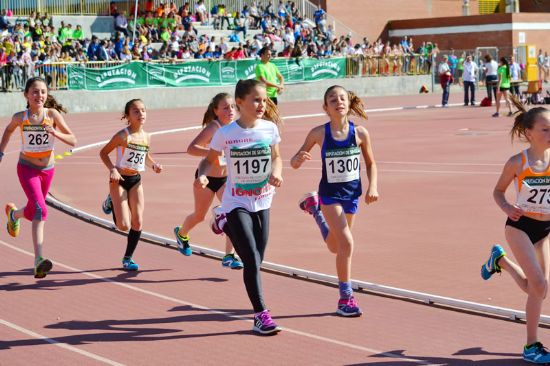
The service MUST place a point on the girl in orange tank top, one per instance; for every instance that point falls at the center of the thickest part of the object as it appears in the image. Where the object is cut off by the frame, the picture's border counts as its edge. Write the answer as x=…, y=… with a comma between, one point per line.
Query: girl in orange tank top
x=528, y=223
x=40, y=124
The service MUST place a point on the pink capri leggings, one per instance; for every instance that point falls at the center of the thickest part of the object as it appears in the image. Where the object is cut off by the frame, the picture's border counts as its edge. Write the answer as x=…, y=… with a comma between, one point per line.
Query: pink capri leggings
x=36, y=184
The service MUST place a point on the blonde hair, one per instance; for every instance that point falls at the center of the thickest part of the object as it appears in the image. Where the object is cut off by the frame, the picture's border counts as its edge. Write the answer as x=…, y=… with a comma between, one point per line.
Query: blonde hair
x=356, y=105
x=210, y=115
x=244, y=87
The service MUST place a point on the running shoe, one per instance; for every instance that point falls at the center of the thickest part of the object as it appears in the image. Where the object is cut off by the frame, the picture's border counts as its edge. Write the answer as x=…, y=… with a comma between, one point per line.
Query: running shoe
x=264, y=325
x=495, y=114
x=536, y=353
x=218, y=220
x=128, y=264
x=107, y=206
x=348, y=308
x=13, y=224
x=309, y=202
x=183, y=242
x=230, y=261
x=42, y=267
x=491, y=266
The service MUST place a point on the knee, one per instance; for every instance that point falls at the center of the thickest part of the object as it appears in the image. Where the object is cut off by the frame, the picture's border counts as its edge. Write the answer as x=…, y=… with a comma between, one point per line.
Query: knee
x=345, y=247
x=539, y=287
x=137, y=224
x=122, y=226
x=38, y=212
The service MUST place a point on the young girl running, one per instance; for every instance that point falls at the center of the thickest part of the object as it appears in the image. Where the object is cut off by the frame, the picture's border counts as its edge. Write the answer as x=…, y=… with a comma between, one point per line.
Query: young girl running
x=251, y=147
x=503, y=86
x=220, y=112
x=40, y=124
x=341, y=143
x=528, y=222
x=126, y=200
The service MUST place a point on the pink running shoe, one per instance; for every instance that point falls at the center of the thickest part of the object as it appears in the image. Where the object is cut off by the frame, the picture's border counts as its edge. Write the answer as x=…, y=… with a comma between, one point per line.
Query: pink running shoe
x=348, y=308
x=264, y=325
x=218, y=220
x=309, y=202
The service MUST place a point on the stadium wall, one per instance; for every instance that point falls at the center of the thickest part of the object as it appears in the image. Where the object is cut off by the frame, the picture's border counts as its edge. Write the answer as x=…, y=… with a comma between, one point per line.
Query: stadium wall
x=158, y=98
x=369, y=17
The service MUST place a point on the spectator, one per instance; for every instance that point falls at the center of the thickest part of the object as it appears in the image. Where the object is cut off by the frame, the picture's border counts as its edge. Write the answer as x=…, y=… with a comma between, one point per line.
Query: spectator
x=78, y=34
x=93, y=49
x=490, y=67
x=445, y=79
x=239, y=25
x=102, y=53
x=201, y=13
x=4, y=23
x=254, y=13
x=515, y=73
x=121, y=23
x=270, y=75
x=469, y=76
x=113, y=9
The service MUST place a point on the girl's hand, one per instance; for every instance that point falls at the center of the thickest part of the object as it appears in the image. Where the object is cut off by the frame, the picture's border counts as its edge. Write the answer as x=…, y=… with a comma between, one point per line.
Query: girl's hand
x=298, y=159
x=201, y=182
x=49, y=129
x=157, y=168
x=115, y=176
x=275, y=181
x=513, y=212
x=371, y=196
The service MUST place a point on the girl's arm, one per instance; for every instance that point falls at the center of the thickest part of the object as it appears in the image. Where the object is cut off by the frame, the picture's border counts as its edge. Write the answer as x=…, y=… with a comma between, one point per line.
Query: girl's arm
x=199, y=145
x=303, y=154
x=276, y=177
x=15, y=120
x=506, y=177
x=150, y=162
x=211, y=159
x=372, y=170
x=61, y=130
x=115, y=141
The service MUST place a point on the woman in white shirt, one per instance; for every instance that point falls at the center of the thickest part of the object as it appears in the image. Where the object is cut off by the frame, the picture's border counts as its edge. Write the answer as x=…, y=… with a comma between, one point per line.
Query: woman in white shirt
x=490, y=67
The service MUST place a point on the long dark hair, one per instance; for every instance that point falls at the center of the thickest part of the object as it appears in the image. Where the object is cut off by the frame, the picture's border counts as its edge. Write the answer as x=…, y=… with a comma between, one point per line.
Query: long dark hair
x=504, y=61
x=128, y=106
x=356, y=106
x=50, y=102
x=525, y=119
x=244, y=87
x=210, y=115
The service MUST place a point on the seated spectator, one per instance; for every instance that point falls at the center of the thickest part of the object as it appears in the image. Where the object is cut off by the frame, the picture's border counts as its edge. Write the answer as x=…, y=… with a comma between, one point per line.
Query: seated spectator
x=78, y=35
x=121, y=23
x=222, y=16
x=113, y=9
x=201, y=13
x=126, y=55
x=239, y=25
x=4, y=23
x=254, y=13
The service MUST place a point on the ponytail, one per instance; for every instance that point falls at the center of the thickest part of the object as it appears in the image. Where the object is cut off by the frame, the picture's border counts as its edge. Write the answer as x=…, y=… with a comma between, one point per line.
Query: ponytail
x=524, y=119
x=272, y=113
x=210, y=115
x=356, y=106
x=51, y=102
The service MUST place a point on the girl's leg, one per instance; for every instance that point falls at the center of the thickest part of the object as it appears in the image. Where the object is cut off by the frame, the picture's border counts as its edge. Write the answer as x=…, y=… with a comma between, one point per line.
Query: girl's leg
x=507, y=100
x=536, y=273
x=241, y=227
x=339, y=236
x=203, y=201
x=136, y=204
x=497, y=98
x=228, y=244
x=121, y=210
x=515, y=271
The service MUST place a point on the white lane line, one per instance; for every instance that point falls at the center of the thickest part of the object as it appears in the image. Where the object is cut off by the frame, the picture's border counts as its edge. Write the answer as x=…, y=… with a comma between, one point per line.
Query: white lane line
x=58, y=344
x=218, y=312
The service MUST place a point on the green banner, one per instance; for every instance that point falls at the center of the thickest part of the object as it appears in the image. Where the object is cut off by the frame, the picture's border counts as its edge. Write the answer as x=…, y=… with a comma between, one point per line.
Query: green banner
x=197, y=73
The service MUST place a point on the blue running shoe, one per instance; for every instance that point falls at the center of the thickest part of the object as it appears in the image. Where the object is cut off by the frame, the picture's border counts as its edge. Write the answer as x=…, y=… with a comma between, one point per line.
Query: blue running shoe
x=348, y=308
x=536, y=353
x=491, y=265
x=183, y=242
x=129, y=265
x=232, y=262
x=107, y=205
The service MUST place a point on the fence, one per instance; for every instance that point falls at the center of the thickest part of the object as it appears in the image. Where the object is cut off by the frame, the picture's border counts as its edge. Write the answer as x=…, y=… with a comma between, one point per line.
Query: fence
x=76, y=75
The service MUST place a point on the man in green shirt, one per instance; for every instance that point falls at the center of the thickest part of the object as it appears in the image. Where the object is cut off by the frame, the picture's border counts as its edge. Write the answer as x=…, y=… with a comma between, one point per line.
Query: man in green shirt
x=269, y=74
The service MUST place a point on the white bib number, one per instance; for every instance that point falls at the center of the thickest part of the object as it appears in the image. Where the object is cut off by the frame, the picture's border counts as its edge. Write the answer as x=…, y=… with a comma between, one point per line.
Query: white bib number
x=134, y=157
x=251, y=165
x=36, y=139
x=342, y=165
x=535, y=195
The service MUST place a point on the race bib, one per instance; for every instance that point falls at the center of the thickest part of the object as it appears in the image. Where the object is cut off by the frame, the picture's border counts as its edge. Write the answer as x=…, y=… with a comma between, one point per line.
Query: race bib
x=251, y=166
x=36, y=139
x=134, y=157
x=535, y=195
x=342, y=165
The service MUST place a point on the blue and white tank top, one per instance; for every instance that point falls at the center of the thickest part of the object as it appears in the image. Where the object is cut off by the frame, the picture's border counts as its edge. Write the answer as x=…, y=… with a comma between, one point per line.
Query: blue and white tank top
x=341, y=178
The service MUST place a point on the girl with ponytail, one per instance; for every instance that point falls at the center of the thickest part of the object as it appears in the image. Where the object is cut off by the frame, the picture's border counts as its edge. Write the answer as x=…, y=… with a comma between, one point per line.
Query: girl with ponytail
x=528, y=221
x=220, y=112
x=503, y=86
x=334, y=207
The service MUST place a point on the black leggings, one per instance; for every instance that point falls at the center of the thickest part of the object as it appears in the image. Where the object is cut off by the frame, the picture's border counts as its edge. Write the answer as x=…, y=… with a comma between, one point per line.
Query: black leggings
x=248, y=232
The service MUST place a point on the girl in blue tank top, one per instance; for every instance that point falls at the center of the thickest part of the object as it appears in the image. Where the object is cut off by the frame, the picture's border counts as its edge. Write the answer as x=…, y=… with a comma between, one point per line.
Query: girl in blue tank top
x=342, y=143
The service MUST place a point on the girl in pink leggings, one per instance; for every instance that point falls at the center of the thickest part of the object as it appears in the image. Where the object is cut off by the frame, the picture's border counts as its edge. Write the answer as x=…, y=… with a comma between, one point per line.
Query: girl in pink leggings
x=40, y=124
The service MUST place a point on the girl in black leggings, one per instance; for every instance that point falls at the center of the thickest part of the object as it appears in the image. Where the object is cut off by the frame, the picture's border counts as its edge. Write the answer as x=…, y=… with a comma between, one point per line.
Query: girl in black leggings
x=254, y=166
